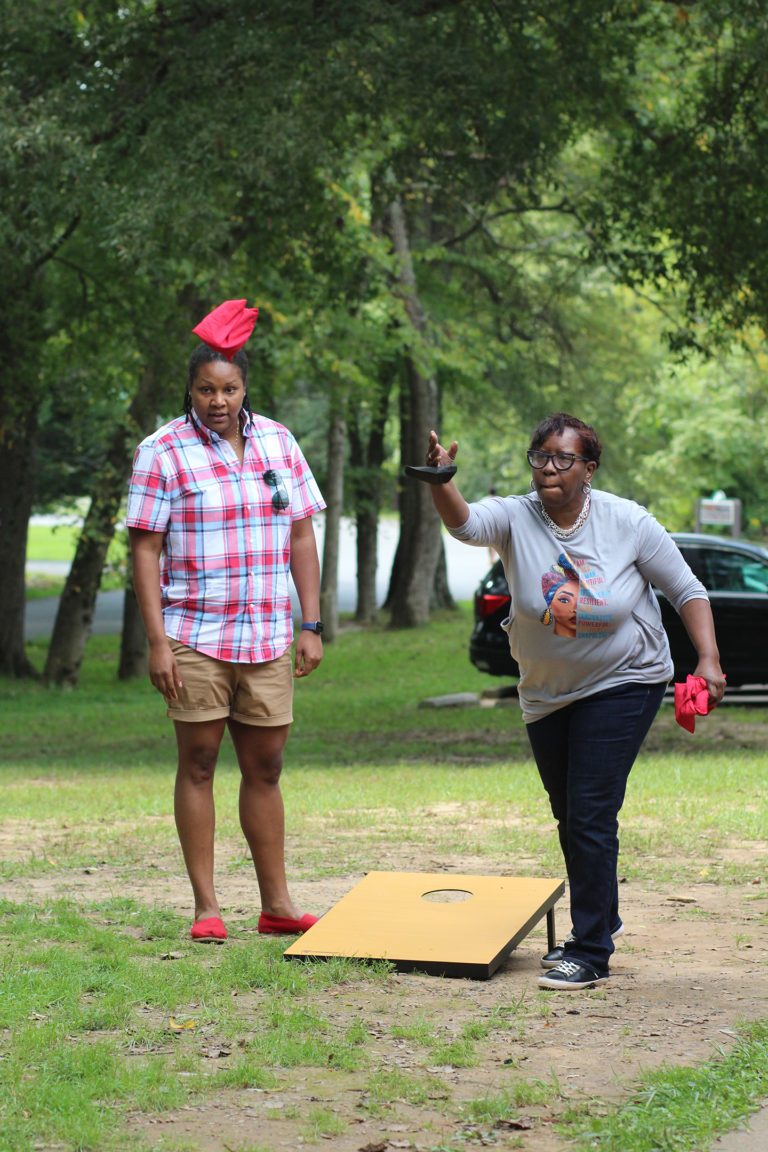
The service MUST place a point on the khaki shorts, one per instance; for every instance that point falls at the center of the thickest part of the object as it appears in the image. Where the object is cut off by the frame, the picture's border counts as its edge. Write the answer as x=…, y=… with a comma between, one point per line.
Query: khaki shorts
x=211, y=689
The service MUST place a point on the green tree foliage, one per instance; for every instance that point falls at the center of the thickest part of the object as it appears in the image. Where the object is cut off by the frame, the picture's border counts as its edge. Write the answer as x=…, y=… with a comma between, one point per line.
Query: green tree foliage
x=46, y=164
x=678, y=211
x=682, y=200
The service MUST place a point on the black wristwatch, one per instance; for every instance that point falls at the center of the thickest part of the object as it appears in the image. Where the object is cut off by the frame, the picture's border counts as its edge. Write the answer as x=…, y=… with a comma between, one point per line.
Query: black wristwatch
x=315, y=626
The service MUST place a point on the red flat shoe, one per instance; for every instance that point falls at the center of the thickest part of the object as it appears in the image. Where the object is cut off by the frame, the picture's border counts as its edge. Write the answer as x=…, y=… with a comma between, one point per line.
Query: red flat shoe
x=284, y=926
x=209, y=931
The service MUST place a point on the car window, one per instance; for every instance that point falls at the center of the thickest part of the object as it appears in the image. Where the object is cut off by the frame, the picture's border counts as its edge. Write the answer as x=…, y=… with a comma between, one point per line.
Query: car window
x=755, y=575
x=726, y=570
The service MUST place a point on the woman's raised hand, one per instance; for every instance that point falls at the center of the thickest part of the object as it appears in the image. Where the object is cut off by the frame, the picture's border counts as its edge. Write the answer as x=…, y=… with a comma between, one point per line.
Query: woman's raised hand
x=439, y=457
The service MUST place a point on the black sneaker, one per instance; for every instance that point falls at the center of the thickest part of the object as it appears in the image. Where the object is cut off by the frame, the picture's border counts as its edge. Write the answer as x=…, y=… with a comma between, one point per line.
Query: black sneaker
x=571, y=976
x=553, y=958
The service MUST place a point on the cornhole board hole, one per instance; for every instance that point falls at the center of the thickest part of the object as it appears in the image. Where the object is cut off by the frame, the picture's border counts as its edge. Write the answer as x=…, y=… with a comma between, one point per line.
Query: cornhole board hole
x=444, y=924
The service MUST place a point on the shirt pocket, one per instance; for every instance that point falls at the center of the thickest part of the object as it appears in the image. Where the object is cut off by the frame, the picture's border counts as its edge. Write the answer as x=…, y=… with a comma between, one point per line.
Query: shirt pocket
x=276, y=491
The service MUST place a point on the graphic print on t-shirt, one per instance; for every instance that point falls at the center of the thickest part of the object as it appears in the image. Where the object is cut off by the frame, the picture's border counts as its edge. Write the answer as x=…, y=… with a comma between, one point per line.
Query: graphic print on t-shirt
x=576, y=599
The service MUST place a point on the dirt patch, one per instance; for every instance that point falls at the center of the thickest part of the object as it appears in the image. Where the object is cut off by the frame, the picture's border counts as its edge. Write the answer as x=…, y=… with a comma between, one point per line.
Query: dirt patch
x=690, y=968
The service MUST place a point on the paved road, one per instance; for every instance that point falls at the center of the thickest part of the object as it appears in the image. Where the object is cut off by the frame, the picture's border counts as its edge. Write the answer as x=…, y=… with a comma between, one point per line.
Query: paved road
x=465, y=566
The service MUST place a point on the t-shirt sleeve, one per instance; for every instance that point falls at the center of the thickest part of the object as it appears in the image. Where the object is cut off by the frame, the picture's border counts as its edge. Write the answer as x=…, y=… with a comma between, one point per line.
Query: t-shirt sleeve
x=662, y=563
x=489, y=521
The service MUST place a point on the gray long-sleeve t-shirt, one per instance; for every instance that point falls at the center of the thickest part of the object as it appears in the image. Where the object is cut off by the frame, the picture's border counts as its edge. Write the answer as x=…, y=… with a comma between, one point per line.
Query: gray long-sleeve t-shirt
x=583, y=616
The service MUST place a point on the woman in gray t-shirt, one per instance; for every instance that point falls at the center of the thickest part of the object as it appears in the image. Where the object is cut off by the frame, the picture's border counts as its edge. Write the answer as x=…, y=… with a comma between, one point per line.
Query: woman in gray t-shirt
x=586, y=631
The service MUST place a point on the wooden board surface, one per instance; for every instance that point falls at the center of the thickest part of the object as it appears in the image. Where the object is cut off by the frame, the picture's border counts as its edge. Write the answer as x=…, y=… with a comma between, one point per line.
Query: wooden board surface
x=447, y=924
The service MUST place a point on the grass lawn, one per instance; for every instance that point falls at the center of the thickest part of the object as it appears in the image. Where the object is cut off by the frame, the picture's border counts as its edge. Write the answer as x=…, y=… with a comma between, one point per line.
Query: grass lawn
x=108, y=1018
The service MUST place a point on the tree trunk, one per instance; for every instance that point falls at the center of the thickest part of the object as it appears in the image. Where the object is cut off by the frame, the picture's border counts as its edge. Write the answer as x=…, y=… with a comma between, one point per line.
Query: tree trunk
x=17, y=453
x=334, y=495
x=366, y=545
x=75, y=613
x=441, y=593
x=418, y=550
x=133, y=663
x=365, y=475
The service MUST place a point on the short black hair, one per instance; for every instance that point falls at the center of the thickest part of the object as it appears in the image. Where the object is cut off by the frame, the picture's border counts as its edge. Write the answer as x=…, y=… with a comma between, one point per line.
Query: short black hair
x=556, y=424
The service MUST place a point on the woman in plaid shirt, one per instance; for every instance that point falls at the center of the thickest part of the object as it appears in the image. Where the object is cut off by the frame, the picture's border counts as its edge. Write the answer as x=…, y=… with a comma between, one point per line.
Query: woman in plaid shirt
x=220, y=514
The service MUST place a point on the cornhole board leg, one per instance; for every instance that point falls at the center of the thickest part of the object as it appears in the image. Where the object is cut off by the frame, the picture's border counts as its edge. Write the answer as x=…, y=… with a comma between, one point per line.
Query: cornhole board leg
x=441, y=923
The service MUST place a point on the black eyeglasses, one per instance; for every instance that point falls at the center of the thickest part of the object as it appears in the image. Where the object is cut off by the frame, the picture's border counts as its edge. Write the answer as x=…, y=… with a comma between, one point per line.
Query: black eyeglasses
x=561, y=460
x=280, y=499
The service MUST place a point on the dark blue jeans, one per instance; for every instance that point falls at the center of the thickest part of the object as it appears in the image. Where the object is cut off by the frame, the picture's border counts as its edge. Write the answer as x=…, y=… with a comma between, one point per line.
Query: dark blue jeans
x=584, y=753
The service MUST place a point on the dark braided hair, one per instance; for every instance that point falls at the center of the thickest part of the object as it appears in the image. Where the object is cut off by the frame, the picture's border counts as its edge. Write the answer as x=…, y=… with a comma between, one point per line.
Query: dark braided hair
x=557, y=423
x=203, y=354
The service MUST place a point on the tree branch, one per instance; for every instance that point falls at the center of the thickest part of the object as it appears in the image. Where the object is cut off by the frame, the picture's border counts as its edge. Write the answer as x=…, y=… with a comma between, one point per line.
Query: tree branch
x=56, y=245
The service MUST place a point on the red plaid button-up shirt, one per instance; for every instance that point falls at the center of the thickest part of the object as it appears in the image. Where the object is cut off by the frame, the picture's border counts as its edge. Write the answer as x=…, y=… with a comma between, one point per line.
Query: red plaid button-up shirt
x=226, y=553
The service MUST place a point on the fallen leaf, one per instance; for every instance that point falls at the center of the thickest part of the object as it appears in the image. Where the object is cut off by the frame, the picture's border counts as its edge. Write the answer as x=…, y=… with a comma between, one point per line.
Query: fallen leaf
x=178, y=1026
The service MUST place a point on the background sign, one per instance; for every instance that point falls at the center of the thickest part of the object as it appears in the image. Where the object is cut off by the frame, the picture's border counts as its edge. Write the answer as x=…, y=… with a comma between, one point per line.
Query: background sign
x=726, y=513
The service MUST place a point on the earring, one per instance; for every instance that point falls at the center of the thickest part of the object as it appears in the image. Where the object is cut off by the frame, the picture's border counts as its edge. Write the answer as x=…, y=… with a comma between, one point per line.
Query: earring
x=586, y=488
x=530, y=486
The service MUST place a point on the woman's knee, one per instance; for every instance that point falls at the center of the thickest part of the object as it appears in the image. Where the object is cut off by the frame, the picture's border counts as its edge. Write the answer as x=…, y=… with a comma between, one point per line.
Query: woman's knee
x=260, y=753
x=264, y=770
x=198, y=749
x=198, y=766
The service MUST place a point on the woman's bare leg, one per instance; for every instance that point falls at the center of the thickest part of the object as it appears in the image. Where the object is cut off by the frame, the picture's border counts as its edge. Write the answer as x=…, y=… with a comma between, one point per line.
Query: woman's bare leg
x=194, y=809
x=262, y=818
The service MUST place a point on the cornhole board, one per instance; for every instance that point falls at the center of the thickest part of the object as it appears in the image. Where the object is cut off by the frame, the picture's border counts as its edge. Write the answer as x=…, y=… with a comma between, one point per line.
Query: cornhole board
x=444, y=924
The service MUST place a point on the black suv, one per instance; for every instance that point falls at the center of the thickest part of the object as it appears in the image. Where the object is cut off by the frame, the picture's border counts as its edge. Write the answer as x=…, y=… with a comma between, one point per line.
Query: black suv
x=735, y=574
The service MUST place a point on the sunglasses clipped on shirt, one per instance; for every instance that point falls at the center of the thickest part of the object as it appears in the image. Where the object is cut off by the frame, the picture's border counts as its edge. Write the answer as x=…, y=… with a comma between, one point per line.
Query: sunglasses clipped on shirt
x=280, y=500
x=561, y=460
